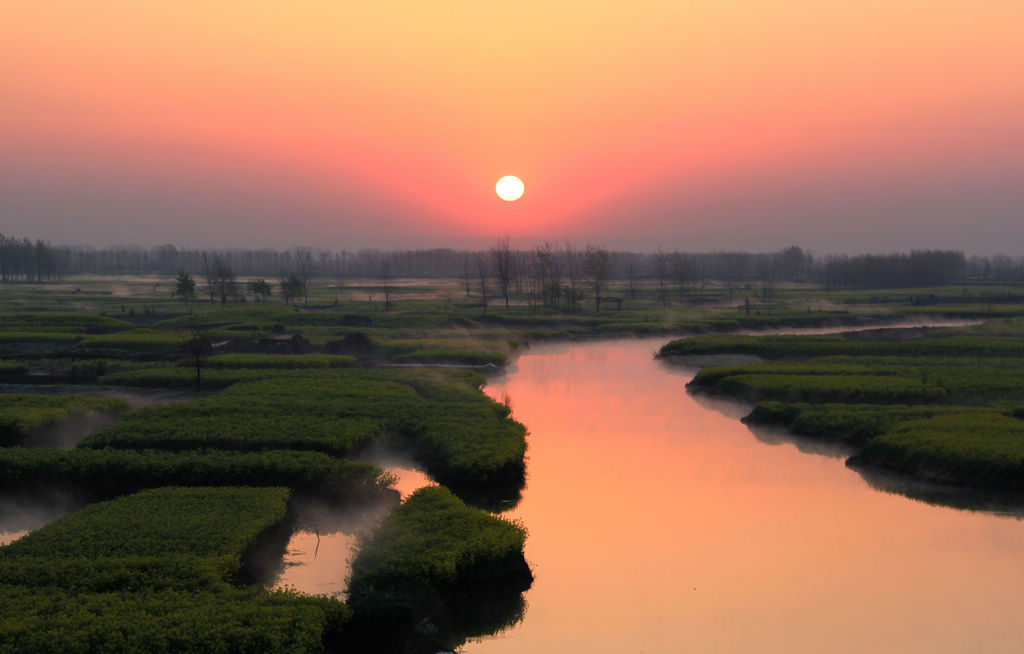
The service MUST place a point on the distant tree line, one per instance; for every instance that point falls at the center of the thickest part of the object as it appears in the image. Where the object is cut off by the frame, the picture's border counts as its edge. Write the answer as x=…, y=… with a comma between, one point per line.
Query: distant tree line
x=22, y=260
x=918, y=268
x=551, y=275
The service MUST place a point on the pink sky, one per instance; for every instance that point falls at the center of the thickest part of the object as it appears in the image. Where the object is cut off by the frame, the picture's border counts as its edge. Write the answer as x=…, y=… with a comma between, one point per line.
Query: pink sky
x=700, y=125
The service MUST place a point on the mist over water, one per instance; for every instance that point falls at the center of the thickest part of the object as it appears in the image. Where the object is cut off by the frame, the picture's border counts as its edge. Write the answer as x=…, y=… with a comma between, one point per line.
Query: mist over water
x=21, y=514
x=318, y=558
x=659, y=522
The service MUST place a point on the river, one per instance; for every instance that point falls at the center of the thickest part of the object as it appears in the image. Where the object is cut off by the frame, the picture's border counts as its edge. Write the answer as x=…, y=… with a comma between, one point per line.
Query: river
x=658, y=522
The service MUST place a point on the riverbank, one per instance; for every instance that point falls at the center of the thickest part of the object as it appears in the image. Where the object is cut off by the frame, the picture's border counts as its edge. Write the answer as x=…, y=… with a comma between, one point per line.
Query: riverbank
x=936, y=405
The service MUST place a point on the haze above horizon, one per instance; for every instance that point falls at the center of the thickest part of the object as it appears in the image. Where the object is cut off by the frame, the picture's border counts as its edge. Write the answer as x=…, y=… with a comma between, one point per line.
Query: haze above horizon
x=870, y=126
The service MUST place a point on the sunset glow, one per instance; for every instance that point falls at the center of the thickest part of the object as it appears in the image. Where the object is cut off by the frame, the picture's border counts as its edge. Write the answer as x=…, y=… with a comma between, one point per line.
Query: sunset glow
x=661, y=123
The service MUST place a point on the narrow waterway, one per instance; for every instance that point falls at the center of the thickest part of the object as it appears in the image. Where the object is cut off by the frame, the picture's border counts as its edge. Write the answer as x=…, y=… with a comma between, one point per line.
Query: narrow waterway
x=318, y=557
x=660, y=523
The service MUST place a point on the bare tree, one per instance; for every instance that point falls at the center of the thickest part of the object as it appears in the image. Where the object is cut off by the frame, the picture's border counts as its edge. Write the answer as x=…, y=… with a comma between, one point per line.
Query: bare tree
x=549, y=275
x=572, y=275
x=467, y=273
x=501, y=255
x=482, y=273
x=220, y=278
x=291, y=287
x=386, y=282
x=197, y=345
x=661, y=271
x=631, y=274
x=304, y=268
x=596, y=266
x=211, y=284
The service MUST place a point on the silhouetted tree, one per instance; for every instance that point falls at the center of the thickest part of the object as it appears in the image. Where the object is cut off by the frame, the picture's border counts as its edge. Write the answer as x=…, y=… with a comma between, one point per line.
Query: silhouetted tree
x=259, y=288
x=291, y=288
x=304, y=271
x=385, y=283
x=501, y=257
x=482, y=273
x=184, y=287
x=572, y=275
x=596, y=265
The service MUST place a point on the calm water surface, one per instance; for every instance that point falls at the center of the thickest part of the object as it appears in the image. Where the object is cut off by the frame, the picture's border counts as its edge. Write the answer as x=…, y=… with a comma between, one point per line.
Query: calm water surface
x=318, y=557
x=660, y=523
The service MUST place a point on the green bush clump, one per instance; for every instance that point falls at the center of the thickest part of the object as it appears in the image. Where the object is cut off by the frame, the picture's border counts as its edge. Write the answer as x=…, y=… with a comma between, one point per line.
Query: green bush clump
x=242, y=621
x=462, y=437
x=246, y=425
x=136, y=340
x=47, y=321
x=54, y=338
x=712, y=376
x=22, y=415
x=808, y=346
x=770, y=347
x=968, y=381
x=205, y=522
x=452, y=356
x=26, y=400
x=8, y=368
x=18, y=423
x=851, y=423
x=960, y=386
x=874, y=389
x=237, y=361
x=156, y=572
x=204, y=530
x=179, y=377
x=976, y=448
x=104, y=473
x=432, y=545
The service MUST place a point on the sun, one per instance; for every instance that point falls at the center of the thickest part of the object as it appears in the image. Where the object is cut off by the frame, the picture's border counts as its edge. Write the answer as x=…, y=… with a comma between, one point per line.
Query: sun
x=509, y=188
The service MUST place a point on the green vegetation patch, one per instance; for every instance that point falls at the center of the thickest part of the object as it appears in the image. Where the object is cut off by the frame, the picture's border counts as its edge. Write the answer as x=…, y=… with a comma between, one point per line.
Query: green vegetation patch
x=977, y=448
x=960, y=385
x=830, y=388
x=22, y=415
x=944, y=343
x=452, y=356
x=855, y=424
x=55, y=321
x=48, y=338
x=137, y=340
x=432, y=544
x=110, y=472
x=180, y=377
x=241, y=621
x=463, y=437
x=207, y=529
x=287, y=361
x=155, y=572
x=12, y=368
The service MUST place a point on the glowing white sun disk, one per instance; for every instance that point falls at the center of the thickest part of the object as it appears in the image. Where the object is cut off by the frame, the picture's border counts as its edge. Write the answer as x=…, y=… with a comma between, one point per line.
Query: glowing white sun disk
x=509, y=188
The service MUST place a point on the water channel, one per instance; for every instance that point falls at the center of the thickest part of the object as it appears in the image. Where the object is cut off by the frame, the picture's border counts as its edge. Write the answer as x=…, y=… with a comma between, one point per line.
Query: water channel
x=658, y=522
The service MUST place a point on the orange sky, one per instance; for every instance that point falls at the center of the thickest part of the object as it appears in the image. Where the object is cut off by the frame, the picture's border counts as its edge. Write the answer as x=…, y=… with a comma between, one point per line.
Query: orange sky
x=346, y=124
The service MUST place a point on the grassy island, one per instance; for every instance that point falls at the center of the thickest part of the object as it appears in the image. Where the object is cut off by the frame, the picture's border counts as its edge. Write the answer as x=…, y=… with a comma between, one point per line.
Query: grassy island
x=934, y=404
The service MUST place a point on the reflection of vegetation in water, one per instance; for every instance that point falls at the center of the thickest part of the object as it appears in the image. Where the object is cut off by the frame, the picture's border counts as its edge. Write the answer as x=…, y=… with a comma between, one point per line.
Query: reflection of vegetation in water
x=1006, y=503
